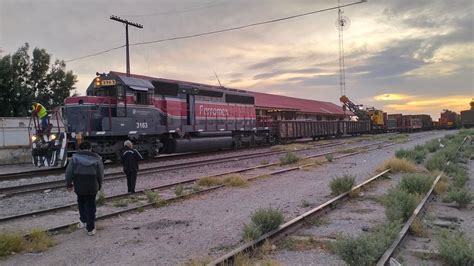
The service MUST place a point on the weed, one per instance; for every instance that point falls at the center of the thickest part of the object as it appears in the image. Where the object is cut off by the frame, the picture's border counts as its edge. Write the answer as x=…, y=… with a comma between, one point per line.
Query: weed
x=264, y=162
x=398, y=165
x=399, y=204
x=461, y=196
x=416, y=228
x=250, y=232
x=347, y=151
x=152, y=196
x=367, y=248
x=10, y=243
x=441, y=187
x=267, y=219
x=320, y=221
x=179, y=190
x=329, y=157
x=432, y=145
x=436, y=162
x=140, y=209
x=100, y=198
x=121, y=203
x=235, y=181
x=416, y=155
x=38, y=240
x=455, y=248
x=196, y=188
x=416, y=183
x=289, y=147
x=342, y=184
x=289, y=158
x=305, y=203
x=210, y=181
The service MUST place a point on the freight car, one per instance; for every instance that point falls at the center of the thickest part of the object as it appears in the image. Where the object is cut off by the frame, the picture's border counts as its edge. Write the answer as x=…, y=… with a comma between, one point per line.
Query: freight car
x=467, y=117
x=448, y=119
x=167, y=116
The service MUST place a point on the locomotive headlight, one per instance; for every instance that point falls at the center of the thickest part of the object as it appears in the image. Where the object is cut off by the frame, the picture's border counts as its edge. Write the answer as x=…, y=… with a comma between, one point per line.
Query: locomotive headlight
x=53, y=137
x=33, y=138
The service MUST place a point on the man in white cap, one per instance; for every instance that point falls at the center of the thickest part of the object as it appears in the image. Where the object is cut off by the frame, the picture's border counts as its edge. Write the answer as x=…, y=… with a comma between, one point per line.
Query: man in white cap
x=130, y=158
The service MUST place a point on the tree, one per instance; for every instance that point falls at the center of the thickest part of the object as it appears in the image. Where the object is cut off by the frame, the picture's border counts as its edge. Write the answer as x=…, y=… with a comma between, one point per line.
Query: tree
x=24, y=79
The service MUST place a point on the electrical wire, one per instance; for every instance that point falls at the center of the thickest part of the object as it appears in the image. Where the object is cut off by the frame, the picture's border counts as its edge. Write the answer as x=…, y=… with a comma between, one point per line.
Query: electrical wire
x=220, y=31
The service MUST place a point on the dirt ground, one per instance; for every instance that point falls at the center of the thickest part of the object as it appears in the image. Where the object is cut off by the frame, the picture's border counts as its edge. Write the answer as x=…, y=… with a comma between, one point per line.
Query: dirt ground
x=208, y=225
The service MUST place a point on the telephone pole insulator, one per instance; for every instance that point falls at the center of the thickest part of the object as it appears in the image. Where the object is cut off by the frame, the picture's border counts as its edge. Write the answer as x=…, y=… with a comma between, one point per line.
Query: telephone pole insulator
x=126, y=22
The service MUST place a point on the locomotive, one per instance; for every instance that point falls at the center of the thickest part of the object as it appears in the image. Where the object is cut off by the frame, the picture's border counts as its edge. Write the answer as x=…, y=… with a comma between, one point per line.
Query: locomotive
x=167, y=116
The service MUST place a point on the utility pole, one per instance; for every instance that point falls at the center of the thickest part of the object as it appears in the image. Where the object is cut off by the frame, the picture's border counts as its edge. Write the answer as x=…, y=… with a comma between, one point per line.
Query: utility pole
x=126, y=22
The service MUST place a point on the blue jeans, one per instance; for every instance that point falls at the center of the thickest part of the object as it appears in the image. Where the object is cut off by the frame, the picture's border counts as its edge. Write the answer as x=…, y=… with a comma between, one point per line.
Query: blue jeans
x=44, y=123
x=87, y=210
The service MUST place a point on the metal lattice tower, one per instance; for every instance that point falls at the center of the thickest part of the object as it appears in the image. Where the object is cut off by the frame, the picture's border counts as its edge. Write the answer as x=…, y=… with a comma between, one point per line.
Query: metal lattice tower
x=342, y=23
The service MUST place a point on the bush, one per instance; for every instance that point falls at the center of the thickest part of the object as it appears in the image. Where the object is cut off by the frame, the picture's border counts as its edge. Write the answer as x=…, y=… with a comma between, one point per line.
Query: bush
x=436, y=162
x=342, y=184
x=38, y=240
x=461, y=196
x=235, y=181
x=251, y=232
x=455, y=249
x=367, y=248
x=152, y=196
x=121, y=203
x=179, y=190
x=416, y=183
x=100, y=198
x=399, y=204
x=432, y=145
x=289, y=158
x=329, y=157
x=399, y=165
x=417, y=155
x=10, y=243
x=210, y=181
x=267, y=219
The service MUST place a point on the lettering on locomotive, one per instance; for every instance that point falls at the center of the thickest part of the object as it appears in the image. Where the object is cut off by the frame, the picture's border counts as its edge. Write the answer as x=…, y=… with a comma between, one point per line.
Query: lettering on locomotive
x=212, y=111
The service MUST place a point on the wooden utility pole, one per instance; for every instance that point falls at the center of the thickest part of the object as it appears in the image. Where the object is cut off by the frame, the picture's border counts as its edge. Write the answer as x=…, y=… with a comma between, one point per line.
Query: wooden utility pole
x=126, y=22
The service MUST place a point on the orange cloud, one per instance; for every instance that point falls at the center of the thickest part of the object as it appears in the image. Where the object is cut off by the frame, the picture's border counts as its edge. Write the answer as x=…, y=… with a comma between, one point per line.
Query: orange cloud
x=391, y=97
x=430, y=105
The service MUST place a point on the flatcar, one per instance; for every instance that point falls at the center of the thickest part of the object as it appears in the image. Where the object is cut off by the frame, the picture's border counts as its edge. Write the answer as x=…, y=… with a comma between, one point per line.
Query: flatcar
x=167, y=116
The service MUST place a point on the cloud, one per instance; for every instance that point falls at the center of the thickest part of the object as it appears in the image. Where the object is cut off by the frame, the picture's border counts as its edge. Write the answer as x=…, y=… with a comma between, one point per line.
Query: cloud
x=425, y=104
x=270, y=63
x=391, y=97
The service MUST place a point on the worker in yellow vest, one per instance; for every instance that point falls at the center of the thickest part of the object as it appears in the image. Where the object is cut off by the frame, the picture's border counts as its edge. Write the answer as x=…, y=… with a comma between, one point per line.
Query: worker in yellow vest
x=42, y=114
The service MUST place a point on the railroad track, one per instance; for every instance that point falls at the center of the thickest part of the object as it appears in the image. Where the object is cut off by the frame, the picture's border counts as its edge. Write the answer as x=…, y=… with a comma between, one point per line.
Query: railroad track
x=57, y=184
x=161, y=158
x=162, y=188
x=298, y=221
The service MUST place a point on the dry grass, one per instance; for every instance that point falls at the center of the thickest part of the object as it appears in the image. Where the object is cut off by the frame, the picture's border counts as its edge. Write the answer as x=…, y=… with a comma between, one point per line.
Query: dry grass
x=398, y=166
x=235, y=181
x=417, y=228
x=441, y=187
x=210, y=181
x=37, y=241
x=10, y=244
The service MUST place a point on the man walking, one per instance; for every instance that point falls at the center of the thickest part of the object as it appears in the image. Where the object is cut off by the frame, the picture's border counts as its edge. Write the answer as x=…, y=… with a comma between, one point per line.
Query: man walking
x=84, y=173
x=130, y=158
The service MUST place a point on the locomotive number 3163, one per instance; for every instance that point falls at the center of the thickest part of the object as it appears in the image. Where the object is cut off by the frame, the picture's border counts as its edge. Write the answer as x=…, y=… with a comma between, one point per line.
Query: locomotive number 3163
x=142, y=125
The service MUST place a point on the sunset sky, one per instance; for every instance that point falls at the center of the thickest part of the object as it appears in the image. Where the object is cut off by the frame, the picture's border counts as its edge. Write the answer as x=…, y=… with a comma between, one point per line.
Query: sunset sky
x=402, y=56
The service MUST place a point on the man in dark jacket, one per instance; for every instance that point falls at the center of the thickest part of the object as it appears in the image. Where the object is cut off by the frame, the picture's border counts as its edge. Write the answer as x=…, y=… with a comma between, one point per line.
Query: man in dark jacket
x=130, y=158
x=84, y=173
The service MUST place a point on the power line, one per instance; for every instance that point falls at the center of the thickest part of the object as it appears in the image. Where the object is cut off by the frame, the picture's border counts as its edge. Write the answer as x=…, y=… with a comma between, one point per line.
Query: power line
x=223, y=30
x=170, y=12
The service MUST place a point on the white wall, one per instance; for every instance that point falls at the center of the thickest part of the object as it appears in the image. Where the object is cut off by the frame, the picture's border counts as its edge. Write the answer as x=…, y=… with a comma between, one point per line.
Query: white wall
x=14, y=132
